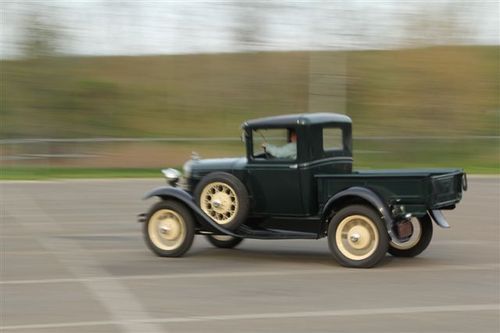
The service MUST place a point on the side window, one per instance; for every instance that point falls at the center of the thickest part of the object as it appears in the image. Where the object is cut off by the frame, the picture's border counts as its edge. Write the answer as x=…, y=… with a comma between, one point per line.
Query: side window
x=332, y=139
x=275, y=143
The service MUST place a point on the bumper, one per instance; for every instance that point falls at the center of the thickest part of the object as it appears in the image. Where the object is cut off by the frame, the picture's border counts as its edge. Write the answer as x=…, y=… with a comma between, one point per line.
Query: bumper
x=439, y=218
x=141, y=218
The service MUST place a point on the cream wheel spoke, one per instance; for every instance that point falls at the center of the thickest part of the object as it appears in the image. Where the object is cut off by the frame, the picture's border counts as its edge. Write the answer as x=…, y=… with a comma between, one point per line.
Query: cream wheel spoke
x=218, y=200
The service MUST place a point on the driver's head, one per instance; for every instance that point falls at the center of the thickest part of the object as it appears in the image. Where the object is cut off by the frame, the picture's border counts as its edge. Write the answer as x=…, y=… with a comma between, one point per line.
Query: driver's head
x=292, y=135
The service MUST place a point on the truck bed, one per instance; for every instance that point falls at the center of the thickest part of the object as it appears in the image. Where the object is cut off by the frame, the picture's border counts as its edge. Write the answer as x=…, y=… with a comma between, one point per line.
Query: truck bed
x=420, y=189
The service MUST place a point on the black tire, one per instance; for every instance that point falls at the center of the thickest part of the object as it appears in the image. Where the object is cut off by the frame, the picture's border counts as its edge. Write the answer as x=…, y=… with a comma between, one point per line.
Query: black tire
x=358, y=237
x=221, y=242
x=418, y=242
x=170, y=234
x=230, y=195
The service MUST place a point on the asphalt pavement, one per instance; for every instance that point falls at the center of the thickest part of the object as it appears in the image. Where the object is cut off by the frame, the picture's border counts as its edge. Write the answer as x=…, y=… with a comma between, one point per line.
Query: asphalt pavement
x=73, y=260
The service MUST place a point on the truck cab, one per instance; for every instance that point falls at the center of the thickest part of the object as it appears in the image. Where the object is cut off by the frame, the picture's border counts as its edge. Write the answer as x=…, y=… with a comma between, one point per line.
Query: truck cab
x=324, y=145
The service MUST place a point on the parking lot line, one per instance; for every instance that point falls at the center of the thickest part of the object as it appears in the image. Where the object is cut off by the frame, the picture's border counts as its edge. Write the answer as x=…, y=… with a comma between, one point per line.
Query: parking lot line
x=206, y=275
x=116, y=298
x=273, y=315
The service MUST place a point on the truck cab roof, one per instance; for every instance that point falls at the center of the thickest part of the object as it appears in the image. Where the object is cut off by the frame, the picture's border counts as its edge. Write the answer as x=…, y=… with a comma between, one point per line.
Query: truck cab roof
x=295, y=120
x=314, y=133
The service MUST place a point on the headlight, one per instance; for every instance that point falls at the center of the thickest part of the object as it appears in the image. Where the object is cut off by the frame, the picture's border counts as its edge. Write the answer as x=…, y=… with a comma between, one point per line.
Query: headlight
x=172, y=176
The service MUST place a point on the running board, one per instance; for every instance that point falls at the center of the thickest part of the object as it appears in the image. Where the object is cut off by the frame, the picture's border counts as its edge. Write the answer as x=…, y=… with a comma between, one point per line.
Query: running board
x=247, y=232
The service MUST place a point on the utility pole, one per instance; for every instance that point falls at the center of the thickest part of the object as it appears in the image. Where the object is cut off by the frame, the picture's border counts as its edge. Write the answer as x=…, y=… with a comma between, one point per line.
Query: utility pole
x=327, y=82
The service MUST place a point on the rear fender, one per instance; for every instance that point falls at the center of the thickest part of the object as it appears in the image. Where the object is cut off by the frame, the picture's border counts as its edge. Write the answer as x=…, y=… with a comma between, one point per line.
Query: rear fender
x=174, y=193
x=366, y=195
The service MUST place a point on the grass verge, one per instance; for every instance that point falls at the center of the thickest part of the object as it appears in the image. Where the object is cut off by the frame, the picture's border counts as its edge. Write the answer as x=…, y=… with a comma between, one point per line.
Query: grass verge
x=43, y=173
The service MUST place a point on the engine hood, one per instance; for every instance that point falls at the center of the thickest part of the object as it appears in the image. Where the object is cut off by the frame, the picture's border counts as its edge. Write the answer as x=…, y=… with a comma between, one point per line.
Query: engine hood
x=199, y=168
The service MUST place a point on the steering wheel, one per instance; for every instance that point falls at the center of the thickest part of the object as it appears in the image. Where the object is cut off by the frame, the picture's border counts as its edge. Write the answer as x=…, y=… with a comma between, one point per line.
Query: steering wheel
x=266, y=153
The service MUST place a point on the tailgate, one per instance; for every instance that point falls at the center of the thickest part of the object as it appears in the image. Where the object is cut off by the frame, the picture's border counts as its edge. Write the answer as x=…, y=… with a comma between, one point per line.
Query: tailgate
x=446, y=189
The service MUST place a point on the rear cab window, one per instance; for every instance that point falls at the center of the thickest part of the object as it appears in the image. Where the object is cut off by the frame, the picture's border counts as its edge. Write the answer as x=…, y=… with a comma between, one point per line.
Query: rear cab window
x=333, y=142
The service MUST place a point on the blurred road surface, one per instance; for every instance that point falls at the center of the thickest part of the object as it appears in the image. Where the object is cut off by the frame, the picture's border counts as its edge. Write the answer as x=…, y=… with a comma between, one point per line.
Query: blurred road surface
x=73, y=260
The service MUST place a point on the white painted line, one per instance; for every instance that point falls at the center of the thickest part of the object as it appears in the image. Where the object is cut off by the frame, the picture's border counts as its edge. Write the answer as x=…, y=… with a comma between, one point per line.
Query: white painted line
x=466, y=242
x=144, y=250
x=79, y=214
x=272, y=315
x=75, y=235
x=218, y=275
x=46, y=252
x=117, y=300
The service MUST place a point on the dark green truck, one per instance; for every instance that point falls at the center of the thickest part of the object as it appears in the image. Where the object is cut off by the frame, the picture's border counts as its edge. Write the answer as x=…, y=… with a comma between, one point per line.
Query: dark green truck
x=297, y=182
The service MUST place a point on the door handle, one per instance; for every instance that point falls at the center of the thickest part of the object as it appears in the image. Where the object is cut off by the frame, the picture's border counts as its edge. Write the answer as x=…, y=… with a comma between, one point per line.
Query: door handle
x=293, y=166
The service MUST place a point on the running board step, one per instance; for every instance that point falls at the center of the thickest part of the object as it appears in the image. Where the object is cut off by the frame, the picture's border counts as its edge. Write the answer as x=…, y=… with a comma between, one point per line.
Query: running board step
x=247, y=232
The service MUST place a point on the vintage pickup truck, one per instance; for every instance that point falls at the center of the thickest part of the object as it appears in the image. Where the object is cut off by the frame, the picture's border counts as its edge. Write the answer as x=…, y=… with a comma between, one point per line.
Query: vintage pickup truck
x=310, y=192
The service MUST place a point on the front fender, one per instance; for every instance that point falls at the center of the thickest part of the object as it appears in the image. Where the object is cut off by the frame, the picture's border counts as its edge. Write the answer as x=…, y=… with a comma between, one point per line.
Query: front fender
x=174, y=193
x=169, y=191
x=367, y=195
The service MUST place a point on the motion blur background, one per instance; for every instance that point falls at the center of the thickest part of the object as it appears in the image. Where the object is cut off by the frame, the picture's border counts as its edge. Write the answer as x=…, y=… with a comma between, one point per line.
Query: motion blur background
x=135, y=86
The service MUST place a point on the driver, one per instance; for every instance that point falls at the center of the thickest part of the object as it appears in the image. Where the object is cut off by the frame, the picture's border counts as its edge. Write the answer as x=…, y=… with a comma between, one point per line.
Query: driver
x=288, y=151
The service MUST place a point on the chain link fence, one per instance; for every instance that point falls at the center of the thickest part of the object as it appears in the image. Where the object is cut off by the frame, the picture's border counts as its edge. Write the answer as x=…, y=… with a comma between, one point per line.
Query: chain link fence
x=370, y=152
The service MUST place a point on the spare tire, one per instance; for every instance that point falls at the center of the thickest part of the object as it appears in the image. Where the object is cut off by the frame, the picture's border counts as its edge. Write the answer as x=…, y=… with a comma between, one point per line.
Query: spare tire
x=224, y=198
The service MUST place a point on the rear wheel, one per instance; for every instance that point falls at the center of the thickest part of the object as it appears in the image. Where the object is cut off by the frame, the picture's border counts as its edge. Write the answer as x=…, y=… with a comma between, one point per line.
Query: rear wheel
x=418, y=241
x=224, y=241
x=169, y=229
x=357, y=237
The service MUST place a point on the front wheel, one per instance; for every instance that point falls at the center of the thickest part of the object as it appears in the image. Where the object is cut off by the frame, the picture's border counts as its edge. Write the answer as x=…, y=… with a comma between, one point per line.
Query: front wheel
x=357, y=237
x=169, y=229
x=418, y=241
x=224, y=241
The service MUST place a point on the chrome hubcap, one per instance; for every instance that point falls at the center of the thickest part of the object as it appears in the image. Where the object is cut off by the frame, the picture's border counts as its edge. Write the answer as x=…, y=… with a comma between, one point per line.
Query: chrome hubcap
x=355, y=238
